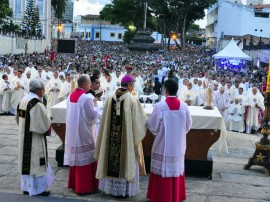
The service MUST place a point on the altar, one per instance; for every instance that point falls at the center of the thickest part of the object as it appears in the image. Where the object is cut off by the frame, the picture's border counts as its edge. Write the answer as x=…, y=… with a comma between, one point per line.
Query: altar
x=208, y=127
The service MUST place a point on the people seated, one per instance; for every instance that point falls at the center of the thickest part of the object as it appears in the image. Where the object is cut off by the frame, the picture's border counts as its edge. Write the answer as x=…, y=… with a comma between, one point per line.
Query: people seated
x=235, y=117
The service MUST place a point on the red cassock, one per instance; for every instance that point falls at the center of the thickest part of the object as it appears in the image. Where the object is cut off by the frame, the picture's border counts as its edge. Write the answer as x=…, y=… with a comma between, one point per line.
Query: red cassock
x=82, y=179
x=167, y=189
x=52, y=56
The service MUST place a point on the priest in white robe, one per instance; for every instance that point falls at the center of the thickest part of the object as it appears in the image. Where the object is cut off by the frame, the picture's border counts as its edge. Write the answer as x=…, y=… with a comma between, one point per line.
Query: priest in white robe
x=231, y=91
x=52, y=90
x=254, y=110
x=34, y=125
x=5, y=91
x=81, y=119
x=19, y=87
x=32, y=69
x=235, y=117
x=241, y=96
x=108, y=85
x=65, y=89
x=202, y=94
x=170, y=122
x=119, y=149
x=189, y=95
x=222, y=101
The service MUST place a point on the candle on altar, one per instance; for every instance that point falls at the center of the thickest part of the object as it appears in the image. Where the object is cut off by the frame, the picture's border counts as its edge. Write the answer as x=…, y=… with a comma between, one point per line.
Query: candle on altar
x=208, y=97
x=268, y=79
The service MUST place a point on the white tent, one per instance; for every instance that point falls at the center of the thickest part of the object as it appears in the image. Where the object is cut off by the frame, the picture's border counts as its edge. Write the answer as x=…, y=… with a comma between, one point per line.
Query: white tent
x=232, y=51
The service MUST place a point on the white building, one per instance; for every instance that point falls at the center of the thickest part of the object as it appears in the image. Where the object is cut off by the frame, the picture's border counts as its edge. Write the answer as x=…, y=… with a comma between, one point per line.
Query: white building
x=19, y=7
x=90, y=28
x=231, y=17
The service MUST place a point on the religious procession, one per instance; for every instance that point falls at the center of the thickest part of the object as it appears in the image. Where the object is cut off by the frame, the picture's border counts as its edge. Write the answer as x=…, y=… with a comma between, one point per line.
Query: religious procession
x=110, y=101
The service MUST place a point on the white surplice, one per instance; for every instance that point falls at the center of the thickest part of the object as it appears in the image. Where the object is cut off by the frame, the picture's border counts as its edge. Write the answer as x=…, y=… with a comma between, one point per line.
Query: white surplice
x=222, y=101
x=201, y=96
x=41, y=176
x=17, y=94
x=189, y=94
x=81, y=119
x=64, y=91
x=52, y=90
x=33, y=71
x=252, y=120
x=235, y=118
x=6, y=96
x=170, y=141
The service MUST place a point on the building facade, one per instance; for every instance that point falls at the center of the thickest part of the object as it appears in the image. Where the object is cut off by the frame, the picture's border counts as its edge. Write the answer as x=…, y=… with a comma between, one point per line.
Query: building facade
x=231, y=17
x=19, y=6
x=91, y=28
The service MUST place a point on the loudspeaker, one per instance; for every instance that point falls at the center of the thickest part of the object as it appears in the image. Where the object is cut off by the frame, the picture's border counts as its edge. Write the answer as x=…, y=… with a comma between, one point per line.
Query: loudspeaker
x=66, y=46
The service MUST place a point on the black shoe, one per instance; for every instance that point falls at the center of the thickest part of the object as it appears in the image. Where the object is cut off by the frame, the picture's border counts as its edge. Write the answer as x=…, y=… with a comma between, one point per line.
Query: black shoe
x=26, y=193
x=45, y=193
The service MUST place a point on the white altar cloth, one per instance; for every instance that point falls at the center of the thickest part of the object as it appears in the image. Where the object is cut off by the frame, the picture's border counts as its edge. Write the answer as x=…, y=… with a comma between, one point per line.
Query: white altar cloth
x=201, y=119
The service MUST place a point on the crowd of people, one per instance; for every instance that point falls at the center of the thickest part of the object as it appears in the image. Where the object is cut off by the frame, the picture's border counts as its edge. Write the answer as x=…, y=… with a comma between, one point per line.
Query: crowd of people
x=108, y=70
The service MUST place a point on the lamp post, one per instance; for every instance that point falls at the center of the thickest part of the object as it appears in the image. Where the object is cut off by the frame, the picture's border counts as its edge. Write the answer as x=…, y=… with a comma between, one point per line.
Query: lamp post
x=145, y=11
x=261, y=156
x=59, y=29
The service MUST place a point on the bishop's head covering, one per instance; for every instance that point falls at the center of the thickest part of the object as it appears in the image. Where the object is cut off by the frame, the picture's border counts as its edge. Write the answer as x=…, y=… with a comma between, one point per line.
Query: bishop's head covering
x=127, y=79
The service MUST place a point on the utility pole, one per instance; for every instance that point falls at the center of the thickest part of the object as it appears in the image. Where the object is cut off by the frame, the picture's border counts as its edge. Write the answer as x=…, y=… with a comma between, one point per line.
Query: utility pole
x=145, y=11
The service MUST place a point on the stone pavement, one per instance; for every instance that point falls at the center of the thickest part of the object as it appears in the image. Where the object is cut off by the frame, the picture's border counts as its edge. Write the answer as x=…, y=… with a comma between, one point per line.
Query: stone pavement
x=230, y=183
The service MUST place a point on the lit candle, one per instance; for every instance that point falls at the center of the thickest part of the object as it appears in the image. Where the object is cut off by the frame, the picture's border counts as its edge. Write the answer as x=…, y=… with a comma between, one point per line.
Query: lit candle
x=268, y=79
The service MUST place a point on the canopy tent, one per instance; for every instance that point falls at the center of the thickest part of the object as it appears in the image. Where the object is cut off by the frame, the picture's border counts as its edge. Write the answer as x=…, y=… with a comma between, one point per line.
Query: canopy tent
x=232, y=51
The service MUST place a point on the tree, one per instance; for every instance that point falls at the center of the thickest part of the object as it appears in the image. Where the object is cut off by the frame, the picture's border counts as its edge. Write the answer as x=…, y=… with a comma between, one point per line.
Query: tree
x=10, y=26
x=59, y=7
x=5, y=11
x=31, y=20
x=176, y=16
x=126, y=13
x=28, y=22
x=37, y=23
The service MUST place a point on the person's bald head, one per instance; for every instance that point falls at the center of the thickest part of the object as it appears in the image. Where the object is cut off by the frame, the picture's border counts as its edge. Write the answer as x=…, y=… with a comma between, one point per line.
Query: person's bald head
x=189, y=85
x=222, y=90
x=254, y=90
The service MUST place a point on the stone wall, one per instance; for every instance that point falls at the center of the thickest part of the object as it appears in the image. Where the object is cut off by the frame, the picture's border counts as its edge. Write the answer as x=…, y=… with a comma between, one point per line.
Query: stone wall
x=16, y=45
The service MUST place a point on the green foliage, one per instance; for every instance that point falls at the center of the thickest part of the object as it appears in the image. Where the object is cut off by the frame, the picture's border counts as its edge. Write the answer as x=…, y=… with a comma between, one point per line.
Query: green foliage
x=36, y=19
x=10, y=26
x=59, y=6
x=31, y=21
x=195, y=40
x=128, y=36
x=195, y=27
x=5, y=11
x=178, y=15
x=126, y=13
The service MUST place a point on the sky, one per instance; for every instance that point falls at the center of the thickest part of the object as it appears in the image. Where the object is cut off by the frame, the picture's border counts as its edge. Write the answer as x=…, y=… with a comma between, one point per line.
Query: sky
x=83, y=7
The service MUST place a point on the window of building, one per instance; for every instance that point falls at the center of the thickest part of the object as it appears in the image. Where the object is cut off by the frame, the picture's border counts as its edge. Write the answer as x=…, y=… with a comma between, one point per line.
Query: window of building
x=120, y=36
x=97, y=35
x=40, y=4
x=18, y=8
x=261, y=15
x=261, y=30
x=256, y=30
x=112, y=34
